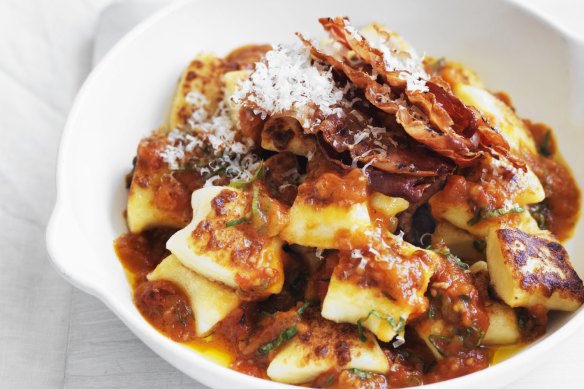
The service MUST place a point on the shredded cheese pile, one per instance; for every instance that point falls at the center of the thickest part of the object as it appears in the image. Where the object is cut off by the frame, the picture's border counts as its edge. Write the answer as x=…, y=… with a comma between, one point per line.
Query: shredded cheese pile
x=287, y=80
x=399, y=58
x=230, y=155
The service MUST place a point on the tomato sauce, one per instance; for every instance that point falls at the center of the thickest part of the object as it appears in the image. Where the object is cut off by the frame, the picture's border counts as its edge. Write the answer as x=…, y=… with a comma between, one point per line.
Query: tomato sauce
x=162, y=303
x=563, y=197
x=141, y=253
x=454, y=297
x=167, y=308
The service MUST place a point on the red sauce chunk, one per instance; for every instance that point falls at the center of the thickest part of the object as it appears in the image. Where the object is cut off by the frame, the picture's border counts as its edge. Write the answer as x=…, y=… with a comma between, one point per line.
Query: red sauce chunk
x=332, y=188
x=167, y=308
x=141, y=253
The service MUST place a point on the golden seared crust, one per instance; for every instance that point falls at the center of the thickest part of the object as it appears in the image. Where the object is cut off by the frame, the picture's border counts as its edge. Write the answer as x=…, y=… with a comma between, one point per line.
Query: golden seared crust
x=321, y=345
x=529, y=270
x=547, y=263
x=227, y=243
x=381, y=291
x=159, y=197
x=204, y=77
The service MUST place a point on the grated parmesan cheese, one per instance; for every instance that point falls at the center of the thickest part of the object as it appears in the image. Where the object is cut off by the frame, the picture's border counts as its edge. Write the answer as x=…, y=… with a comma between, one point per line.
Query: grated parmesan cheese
x=287, y=80
x=399, y=341
x=217, y=132
x=399, y=238
x=318, y=254
x=401, y=59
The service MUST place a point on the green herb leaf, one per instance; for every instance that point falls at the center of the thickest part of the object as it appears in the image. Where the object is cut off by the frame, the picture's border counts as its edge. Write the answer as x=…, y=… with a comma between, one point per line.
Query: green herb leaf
x=522, y=321
x=454, y=259
x=480, y=245
x=255, y=203
x=470, y=331
x=284, y=336
x=431, y=312
x=451, y=257
x=360, y=373
x=362, y=336
x=243, y=184
x=409, y=355
x=434, y=339
x=541, y=221
x=545, y=147
x=304, y=306
x=539, y=211
x=215, y=172
x=397, y=326
x=237, y=222
x=329, y=380
x=484, y=214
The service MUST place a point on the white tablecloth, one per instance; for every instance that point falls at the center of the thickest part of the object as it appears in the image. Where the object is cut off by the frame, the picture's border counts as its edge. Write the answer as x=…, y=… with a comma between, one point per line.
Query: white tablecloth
x=51, y=335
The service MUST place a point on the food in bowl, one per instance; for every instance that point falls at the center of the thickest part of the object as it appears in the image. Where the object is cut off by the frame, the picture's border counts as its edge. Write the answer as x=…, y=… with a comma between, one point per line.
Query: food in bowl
x=347, y=213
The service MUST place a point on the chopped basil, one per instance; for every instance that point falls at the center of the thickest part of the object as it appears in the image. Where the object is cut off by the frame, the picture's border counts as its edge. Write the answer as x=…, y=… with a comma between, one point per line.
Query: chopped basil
x=255, y=202
x=284, y=336
x=541, y=222
x=545, y=147
x=451, y=257
x=480, y=245
x=243, y=184
x=397, y=326
x=483, y=214
x=454, y=259
x=481, y=336
x=539, y=211
x=441, y=251
x=329, y=380
x=237, y=222
x=304, y=306
x=522, y=321
x=360, y=329
x=431, y=312
x=409, y=355
x=360, y=373
x=433, y=338
x=470, y=331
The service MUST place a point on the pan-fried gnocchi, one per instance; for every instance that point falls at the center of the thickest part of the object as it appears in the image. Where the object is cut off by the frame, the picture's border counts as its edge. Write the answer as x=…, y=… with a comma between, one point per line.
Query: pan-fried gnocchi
x=346, y=213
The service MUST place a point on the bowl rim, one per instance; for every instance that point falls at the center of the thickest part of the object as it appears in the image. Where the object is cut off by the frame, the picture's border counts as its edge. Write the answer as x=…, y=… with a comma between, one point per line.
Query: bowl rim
x=160, y=343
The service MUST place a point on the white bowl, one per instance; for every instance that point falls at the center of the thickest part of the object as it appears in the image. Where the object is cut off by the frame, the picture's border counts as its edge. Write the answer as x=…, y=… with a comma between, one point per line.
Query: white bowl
x=128, y=94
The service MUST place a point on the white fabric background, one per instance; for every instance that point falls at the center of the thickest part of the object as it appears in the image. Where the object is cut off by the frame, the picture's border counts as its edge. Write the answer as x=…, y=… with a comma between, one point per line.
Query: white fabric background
x=51, y=335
